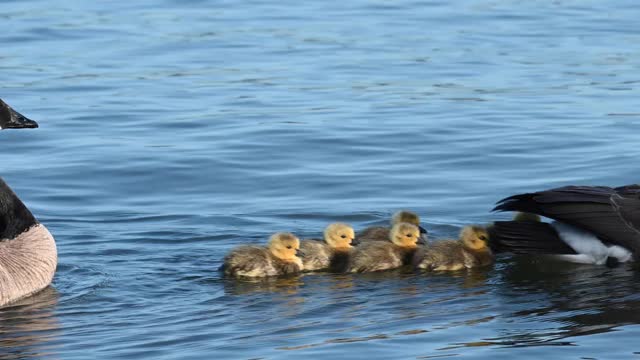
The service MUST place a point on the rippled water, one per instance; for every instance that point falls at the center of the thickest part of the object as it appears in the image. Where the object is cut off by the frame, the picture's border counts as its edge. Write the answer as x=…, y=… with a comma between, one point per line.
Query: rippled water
x=172, y=131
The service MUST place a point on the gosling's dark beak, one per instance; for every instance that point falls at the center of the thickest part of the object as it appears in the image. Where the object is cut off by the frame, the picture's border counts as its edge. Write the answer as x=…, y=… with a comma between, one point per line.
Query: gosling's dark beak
x=423, y=230
x=355, y=242
x=298, y=253
x=11, y=119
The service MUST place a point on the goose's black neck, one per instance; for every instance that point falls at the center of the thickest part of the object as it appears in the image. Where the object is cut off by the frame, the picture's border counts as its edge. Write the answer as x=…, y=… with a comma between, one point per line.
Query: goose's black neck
x=15, y=218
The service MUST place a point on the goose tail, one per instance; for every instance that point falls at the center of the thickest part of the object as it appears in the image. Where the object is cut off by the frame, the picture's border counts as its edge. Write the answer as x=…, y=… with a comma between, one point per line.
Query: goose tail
x=527, y=237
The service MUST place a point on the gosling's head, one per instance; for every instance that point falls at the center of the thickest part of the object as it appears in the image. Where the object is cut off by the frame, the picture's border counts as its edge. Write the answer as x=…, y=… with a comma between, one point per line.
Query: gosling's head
x=339, y=236
x=475, y=237
x=284, y=246
x=405, y=216
x=524, y=216
x=405, y=235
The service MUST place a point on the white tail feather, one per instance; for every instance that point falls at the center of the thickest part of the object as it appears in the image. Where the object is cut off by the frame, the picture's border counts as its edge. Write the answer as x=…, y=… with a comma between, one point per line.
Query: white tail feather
x=590, y=249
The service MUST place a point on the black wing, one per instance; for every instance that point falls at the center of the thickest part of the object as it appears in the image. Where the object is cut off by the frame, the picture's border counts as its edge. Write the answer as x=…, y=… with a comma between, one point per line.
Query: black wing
x=526, y=237
x=612, y=214
x=627, y=202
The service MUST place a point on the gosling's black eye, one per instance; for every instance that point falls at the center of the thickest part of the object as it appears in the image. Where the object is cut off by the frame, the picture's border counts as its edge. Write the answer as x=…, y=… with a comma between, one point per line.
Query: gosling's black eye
x=482, y=237
x=289, y=247
x=343, y=236
x=409, y=235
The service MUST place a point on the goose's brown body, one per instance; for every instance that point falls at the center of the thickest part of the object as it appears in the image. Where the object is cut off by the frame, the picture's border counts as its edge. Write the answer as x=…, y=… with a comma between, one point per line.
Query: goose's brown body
x=27, y=264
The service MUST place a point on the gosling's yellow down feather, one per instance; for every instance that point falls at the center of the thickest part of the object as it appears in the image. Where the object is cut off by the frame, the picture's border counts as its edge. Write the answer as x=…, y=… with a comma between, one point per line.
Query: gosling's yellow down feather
x=381, y=233
x=470, y=251
x=385, y=255
x=332, y=253
x=277, y=258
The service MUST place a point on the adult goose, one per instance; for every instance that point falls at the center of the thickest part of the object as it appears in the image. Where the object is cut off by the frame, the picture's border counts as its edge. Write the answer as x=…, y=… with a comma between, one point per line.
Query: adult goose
x=28, y=256
x=592, y=224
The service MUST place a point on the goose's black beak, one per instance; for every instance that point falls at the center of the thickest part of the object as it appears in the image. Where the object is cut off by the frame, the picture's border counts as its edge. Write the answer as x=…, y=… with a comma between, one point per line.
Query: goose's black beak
x=355, y=242
x=11, y=119
x=298, y=253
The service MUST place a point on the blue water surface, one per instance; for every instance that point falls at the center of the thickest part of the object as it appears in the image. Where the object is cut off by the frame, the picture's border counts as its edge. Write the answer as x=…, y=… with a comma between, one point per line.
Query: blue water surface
x=172, y=131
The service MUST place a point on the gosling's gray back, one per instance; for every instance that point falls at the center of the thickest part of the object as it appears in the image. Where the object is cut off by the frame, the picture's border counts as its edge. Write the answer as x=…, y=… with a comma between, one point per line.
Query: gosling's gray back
x=374, y=233
x=443, y=254
x=378, y=256
x=315, y=254
x=249, y=261
x=451, y=255
x=318, y=255
x=256, y=261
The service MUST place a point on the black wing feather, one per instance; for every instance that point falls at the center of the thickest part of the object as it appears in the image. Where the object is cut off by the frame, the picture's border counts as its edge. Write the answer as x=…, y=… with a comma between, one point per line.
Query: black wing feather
x=612, y=214
x=526, y=237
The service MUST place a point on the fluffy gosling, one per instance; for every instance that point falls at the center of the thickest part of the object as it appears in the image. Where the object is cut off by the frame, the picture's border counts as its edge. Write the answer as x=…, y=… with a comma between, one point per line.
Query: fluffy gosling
x=279, y=257
x=381, y=233
x=332, y=253
x=385, y=255
x=470, y=251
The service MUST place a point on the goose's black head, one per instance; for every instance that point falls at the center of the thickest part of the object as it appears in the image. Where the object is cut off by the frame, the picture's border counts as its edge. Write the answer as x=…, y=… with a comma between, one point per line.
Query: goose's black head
x=11, y=119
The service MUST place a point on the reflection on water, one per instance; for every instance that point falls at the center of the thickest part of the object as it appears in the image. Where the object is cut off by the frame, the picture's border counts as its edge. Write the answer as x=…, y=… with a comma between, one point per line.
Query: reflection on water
x=565, y=300
x=356, y=308
x=528, y=302
x=286, y=285
x=29, y=328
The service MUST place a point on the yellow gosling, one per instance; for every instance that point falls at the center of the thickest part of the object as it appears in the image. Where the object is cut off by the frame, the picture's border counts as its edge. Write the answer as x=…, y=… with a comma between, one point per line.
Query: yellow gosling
x=381, y=233
x=279, y=257
x=470, y=251
x=385, y=255
x=332, y=253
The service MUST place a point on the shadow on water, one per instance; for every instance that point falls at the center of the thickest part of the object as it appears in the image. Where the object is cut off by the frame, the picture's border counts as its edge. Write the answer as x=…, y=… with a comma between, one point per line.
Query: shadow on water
x=29, y=328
